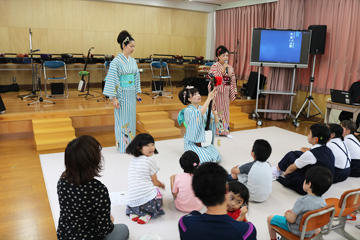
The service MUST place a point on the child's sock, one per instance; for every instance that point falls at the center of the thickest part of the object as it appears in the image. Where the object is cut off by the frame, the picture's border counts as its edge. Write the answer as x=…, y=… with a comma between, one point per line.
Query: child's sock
x=276, y=173
x=134, y=217
x=144, y=219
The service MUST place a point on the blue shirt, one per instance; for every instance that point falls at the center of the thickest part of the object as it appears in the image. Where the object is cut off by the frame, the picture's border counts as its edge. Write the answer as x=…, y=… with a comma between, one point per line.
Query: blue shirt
x=199, y=226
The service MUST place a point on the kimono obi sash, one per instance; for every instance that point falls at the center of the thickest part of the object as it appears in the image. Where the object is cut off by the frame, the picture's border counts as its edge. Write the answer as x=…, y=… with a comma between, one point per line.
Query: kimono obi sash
x=127, y=80
x=226, y=80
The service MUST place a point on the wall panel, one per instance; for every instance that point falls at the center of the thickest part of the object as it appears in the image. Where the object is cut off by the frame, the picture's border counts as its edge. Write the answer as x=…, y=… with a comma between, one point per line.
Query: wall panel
x=64, y=14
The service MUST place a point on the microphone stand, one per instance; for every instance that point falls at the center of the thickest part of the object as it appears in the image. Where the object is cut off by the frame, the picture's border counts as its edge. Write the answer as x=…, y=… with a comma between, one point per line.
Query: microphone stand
x=35, y=88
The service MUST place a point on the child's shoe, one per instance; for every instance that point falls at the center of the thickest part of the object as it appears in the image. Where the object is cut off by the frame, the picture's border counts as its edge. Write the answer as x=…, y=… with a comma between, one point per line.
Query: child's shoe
x=276, y=173
x=351, y=217
x=144, y=219
x=134, y=217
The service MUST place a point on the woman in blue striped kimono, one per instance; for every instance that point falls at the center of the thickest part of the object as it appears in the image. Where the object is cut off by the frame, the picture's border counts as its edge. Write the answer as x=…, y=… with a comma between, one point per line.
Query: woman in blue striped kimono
x=122, y=84
x=194, y=118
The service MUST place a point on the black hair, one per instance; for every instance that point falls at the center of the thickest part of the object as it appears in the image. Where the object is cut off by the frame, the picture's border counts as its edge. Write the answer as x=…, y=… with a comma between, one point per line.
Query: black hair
x=189, y=161
x=238, y=188
x=83, y=160
x=261, y=149
x=320, y=179
x=137, y=144
x=349, y=125
x=209, y=183
x=121, y=39
x=187, y=93
x=321, y=131
x=337, y=130
x=221, y=50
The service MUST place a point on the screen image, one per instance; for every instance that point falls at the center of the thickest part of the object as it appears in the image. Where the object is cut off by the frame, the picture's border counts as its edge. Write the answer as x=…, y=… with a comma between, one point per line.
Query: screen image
x=280, y=47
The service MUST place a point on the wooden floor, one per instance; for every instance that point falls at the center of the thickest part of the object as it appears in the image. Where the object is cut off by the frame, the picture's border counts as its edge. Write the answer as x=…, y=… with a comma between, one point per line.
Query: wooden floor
x=24, y=208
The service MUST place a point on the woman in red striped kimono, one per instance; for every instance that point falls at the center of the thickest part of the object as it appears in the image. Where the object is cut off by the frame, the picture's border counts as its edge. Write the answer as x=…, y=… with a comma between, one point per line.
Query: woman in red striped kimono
x=226, y=92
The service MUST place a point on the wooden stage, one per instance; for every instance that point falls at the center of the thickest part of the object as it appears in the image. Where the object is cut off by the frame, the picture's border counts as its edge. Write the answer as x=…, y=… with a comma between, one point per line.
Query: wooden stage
x=86, y=115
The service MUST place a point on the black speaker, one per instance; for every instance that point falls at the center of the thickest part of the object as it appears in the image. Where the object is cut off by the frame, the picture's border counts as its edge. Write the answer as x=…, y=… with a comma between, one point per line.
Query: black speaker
x=318, y=38
x=57, y=88
x=251, y=84
x=2, y=105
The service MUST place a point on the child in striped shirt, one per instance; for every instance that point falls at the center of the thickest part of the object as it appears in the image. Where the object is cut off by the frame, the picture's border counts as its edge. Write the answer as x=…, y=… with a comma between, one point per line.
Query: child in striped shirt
x=144, y=199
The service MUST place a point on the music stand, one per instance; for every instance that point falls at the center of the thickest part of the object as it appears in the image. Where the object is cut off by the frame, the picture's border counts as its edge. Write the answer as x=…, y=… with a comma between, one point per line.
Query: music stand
x=40, y=99
x=34, y=73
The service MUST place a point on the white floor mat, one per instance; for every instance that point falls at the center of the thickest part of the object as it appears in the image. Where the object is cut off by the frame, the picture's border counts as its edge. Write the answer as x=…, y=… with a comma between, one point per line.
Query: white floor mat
x=234, y=151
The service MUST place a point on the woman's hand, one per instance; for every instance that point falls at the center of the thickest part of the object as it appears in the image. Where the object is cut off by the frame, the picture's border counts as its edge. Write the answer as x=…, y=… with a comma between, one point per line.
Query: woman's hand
x=212, y=94
x=116, y=103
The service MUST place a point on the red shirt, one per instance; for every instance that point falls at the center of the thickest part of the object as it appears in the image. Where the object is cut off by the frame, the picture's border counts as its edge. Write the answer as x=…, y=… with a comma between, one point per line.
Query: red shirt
x=235, y=214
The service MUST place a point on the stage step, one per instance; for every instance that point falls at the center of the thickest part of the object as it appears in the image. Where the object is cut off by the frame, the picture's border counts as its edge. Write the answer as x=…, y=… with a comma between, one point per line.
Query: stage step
x=157, y=124
x=239, y=120
x=52, y=133
x=152, y=115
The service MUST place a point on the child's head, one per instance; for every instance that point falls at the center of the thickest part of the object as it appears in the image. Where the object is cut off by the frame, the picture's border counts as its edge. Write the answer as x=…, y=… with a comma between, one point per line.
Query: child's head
x=319, y=133
x=189, y=161
x=349, y=125
x=82, y=160
x=209, y=183
x=238, y=196
x=336, y=131
x=187, y=93
x=142, y=144
x=261, y=150
x=319, y=178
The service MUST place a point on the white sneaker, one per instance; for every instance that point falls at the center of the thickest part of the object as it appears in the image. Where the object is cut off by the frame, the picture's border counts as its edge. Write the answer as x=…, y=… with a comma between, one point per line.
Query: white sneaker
x=276, y=173
x=229, y=136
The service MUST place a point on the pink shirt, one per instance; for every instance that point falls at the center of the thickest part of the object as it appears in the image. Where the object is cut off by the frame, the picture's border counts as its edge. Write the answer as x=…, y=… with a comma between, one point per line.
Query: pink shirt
x=185, y=200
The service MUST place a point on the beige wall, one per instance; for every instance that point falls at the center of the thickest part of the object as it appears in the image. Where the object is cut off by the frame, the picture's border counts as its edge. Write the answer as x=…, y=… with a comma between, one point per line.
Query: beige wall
x=73, y=26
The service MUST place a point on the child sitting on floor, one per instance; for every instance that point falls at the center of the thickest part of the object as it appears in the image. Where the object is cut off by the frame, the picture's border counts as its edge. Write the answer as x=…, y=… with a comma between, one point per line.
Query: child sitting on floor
x=341, y=153
x=238, y=200
x=256, y=175
x=209, y=184
x=353, y=144
x=294, y=164
x=181, y=188
x=144, y=199
x=317, y=181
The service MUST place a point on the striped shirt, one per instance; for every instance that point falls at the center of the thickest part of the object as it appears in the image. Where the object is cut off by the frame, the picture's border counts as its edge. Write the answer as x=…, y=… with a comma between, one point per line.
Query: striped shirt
x=141, y=188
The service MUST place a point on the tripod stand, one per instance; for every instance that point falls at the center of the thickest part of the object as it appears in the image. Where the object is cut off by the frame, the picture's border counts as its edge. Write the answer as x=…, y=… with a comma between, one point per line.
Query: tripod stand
x=40, y=99
x=84, y=73
x=309, y=99
x=33, y=71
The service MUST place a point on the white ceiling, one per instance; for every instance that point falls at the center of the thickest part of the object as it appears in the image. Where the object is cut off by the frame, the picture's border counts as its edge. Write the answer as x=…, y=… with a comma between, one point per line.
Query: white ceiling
x=194, y=5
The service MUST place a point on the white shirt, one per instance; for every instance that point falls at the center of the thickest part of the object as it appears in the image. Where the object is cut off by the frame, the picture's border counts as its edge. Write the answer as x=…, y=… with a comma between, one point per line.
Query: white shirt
x=306, y=158
x=141, y=188
x=354, y=148
x=341, y=153
x=259, y=181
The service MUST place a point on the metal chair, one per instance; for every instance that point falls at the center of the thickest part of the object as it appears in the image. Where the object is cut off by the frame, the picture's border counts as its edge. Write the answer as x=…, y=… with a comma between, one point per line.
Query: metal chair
x=160, y=72
x=344, y=206
x=310, y=221
x=56, y=66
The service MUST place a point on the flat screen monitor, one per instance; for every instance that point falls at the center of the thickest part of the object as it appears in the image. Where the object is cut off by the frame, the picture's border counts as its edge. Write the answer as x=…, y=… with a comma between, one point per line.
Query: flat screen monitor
x=280, y=47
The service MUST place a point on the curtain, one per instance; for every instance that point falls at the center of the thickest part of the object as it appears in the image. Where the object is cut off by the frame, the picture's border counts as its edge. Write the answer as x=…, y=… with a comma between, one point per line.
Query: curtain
x=289, y=15
x=339, y=67
x=234, y=28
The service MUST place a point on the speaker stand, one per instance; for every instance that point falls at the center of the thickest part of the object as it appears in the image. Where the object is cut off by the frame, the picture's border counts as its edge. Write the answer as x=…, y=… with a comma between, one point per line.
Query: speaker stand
x=309, y=100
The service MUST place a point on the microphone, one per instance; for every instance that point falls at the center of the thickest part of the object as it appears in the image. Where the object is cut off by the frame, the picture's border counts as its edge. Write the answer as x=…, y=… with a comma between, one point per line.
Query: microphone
x=226, y=69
